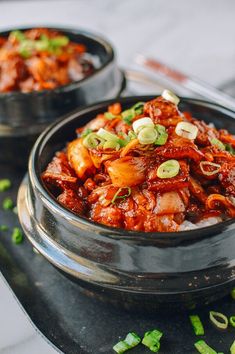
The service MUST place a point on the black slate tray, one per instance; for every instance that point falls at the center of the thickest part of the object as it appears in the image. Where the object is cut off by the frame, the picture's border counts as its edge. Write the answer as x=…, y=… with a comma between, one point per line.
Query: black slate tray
x=76, y=323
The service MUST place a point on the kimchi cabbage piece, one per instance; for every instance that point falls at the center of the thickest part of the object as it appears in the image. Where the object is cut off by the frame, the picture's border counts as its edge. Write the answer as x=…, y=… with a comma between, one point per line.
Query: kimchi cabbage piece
x=41, y=59
x=148, y=168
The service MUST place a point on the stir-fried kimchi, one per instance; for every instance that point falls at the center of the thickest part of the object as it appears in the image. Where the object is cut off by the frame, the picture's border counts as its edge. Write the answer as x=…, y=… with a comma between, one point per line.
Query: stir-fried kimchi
x=41, y=59
x=147, y=168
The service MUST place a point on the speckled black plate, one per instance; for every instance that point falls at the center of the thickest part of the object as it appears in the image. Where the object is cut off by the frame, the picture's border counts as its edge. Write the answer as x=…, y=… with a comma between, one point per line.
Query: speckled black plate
x=76, y=323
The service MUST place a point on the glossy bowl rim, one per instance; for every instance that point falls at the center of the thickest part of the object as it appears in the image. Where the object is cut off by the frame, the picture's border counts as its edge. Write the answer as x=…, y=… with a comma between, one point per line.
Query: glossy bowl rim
x=108, y=231
x=75, y=84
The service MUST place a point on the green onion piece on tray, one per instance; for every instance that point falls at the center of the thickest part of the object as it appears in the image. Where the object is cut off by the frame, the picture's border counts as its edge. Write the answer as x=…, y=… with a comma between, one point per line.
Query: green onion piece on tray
x=232, y=348
x=3, y=227
x=168, y=169
x=232, y=321
x=8, y=204
x=219, y=319
x=216, y=142
x=131, y=341
x=204, y=348
x=5, y=184
x=152, y=340
x=121, y=347
x=197, y=325
x=122, y=193
x=232, y=293
x=17, y=236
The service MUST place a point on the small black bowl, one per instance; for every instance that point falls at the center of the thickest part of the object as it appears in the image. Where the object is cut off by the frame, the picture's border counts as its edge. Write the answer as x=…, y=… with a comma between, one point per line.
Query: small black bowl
x=154, y=269
x=25, y=115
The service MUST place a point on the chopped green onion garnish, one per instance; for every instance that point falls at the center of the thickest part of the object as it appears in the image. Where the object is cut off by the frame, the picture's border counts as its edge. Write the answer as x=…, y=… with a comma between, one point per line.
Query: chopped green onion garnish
x=131, y=341
x=232, y=321
x=111, y=145
x=109, y=115
x=147, y=135
x=204, y=348
x=232, y=348
x=17, y=236
x=59, y=41
x=18, y=35
x=122, y=196
x=138, y=108
x=86, y=132
x=197, y=325
x=142, y=123
x=219, y=319
x=121, y=347
x=168, y=169
x=106, y=135
x=7, y=204
x=170, y=96
x=92, y=140
x=186, y=130
x=216, y=168
x=26, y=48
x=131, y=135
x=162, y=134
x=110, y=137
x=131, y=113
x=128, y=116
x=15, y=210
x=232, y=293
x=3, y=227
x=152, y=340
x=217, y=143
x=5, y=184
x=230, y=149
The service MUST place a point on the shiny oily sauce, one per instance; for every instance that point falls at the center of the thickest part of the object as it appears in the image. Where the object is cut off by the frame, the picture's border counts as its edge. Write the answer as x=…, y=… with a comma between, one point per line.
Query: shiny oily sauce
x=41, y=59
x=148, y=168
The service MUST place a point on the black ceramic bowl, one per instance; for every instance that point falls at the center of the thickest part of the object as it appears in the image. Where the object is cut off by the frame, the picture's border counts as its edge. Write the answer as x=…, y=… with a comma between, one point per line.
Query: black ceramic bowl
x=191, y=267
x=25, y=115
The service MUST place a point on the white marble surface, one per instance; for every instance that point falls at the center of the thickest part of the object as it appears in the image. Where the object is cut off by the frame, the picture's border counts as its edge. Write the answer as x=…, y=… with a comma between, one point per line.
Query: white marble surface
x=196, y=36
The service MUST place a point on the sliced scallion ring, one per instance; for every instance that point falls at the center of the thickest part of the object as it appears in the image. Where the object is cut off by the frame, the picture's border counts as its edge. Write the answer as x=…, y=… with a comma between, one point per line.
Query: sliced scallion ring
x=168, y=169
x=92, y=140
x=232, y=348
x=216, y=142
x=170, y=96
x=105, y=134
x=209, y=164
x=147, y=135
x=122, y=196
x=152, y=340
x=186, y=130
x=232, y=321
x=111, y=145
x=197, y=325
x=232, y=293
x=219, y=319
x=203, y=348
x=162, y=134
x=142, y=123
